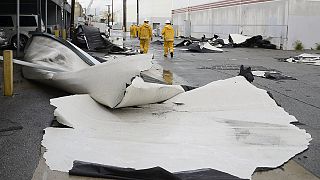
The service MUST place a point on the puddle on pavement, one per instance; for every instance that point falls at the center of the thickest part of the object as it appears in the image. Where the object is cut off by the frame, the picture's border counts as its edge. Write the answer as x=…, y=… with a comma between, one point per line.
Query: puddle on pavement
x=167, y=77
x=291, y=170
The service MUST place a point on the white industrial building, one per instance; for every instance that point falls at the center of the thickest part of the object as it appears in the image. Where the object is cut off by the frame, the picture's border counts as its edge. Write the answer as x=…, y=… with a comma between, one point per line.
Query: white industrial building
x=284, y=21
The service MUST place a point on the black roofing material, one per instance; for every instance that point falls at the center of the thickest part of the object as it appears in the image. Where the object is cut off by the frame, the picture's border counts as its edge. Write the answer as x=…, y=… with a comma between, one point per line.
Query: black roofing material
x=93, y=38
x=277, y=76
x=247, y=73
x=197, y=47
x=256, y=41
x=90, y=37
x=102, y=171
x=183, y=43
x=86, y=169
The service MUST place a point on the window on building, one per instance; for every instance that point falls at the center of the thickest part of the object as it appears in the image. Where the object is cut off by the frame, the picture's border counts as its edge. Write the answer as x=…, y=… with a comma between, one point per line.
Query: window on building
x=6, y=21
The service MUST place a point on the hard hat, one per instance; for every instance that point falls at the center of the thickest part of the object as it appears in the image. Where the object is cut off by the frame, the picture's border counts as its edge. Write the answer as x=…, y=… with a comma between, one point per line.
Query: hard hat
x=168, y=22
x=146, y=20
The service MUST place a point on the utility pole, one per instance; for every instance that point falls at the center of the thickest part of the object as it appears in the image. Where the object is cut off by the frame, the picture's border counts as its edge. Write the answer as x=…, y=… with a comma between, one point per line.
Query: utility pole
x=112, y=12
x=39, y=15
x=108, y=15
x=46, y=14
x=18, y=28
x=124, y=19
x=72, y=19
x=137, y=12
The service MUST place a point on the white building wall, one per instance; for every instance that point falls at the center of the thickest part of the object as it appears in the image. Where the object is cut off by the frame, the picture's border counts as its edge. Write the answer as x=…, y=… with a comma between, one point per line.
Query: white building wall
x=285, y=21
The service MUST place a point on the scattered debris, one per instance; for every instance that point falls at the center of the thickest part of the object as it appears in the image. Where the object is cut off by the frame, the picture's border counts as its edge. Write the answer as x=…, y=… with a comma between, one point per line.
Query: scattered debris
x=204, y=48
x=236, y=67
x=157, y=42
x=237, y=38
x=183, y=43
x=99, y=80
x=228, y=126
x=313, y=59
x=91, y=38
x=88, y=169
x=274, y=75
x=256, y=41
x=247, y=73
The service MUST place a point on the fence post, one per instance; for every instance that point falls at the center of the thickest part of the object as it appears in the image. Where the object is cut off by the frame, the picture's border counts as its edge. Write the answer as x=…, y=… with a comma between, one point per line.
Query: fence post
x=8, y=73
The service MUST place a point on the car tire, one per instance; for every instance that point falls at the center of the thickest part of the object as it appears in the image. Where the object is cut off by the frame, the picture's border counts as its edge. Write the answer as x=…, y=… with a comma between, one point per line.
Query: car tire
x=23, y=41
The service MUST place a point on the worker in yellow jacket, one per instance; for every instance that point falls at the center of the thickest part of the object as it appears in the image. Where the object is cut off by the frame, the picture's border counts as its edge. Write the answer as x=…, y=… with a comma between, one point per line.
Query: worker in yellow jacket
x=145, y=35
x=168, y=35
x=138, y=30
x=133, y=31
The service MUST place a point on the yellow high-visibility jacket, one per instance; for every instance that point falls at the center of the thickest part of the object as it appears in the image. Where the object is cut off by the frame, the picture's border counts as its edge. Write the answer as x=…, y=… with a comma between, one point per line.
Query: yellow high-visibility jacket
x=145, y=31
x=168, y=33
x=138, y=31
x=132, y=30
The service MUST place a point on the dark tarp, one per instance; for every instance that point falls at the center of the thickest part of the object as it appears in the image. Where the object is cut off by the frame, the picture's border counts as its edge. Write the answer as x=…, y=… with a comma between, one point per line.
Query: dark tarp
x=93, y=38
x=90, y=37
x=256, y=41
x=247, y=73
x=102, y=171
x=197, y=47
x=157, y=173
x=185, y=42
x=277, y=76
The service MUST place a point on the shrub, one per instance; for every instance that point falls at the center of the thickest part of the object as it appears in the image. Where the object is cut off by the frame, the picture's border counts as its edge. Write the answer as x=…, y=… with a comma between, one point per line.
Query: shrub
x=317, y=46
x=298, y=45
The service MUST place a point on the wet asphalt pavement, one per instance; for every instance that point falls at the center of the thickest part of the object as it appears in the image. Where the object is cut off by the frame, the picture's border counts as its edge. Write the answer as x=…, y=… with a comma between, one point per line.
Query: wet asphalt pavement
x=24, y=116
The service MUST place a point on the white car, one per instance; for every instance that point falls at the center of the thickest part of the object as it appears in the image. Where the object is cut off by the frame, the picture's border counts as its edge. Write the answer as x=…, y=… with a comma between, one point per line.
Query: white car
x=28, y=23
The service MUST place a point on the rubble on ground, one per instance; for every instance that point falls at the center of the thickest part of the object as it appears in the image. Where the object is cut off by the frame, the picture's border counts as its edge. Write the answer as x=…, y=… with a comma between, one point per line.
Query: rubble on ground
x=90, y=37
x=118, y=119
x=201, y=47
x=313, y=59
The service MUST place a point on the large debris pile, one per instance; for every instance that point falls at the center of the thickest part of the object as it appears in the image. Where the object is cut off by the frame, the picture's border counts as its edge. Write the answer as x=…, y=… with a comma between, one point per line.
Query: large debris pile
x=89, y=37
x=120, y=120
x=234, y=40
x=313, y=59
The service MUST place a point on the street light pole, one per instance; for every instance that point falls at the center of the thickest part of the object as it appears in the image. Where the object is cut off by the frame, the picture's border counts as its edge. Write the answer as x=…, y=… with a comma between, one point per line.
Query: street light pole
x=137, y=12
x=124, y=19
x=108, y=15
x=18, y=28
x=72, y=19
x=112, y=12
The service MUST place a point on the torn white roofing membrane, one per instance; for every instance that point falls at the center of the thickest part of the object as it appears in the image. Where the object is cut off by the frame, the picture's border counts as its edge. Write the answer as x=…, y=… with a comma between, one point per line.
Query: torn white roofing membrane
x=228, y=125
x=104, y=82
x=238, y=38
x=313, y=59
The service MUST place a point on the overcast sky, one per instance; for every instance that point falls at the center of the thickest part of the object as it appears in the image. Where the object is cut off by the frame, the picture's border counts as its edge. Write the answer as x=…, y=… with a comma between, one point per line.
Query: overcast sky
x=100, y=5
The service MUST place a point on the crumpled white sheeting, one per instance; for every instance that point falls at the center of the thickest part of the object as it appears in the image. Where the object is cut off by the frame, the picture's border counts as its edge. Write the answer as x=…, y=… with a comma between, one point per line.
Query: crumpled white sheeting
x=228, y=125
x=210, y=47
x=106, y=82
x=141, y=93
x=313, y=59
x=47, y=52
x=261, y=73
x=238, y=38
